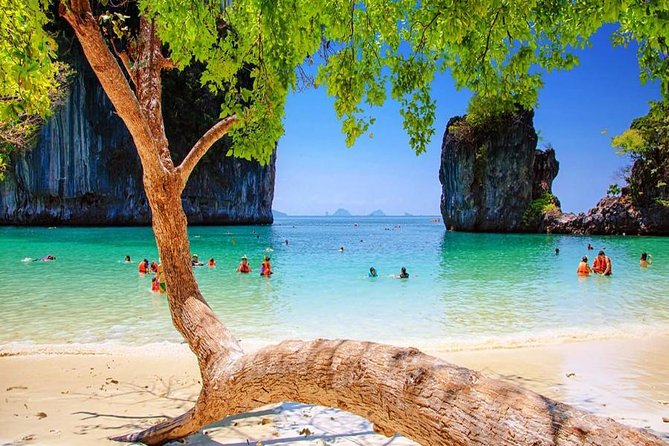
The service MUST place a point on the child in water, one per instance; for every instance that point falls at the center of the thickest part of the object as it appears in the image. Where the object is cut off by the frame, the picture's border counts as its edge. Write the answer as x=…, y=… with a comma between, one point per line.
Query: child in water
x=583, y=267
x=211, y=263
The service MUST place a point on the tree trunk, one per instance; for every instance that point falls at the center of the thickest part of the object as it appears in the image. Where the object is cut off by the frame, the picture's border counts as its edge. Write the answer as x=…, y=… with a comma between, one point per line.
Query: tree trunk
x=399, y=390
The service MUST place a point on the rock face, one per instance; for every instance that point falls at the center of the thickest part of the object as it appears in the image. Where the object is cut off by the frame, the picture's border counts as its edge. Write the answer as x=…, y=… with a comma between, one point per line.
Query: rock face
x=490, y=175
x=85, y=170
x=614, y=215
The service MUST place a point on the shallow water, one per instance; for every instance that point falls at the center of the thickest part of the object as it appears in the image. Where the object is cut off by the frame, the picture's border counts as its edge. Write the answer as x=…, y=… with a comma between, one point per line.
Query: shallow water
x=465, y=291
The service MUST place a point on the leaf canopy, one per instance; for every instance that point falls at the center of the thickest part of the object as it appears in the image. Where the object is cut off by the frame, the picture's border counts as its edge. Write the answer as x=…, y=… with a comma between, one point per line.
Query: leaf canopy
x=362, y=52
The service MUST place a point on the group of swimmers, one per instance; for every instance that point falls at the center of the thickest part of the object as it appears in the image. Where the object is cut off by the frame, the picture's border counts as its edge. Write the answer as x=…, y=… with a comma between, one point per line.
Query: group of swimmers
x=403, y=273
x=602, y=264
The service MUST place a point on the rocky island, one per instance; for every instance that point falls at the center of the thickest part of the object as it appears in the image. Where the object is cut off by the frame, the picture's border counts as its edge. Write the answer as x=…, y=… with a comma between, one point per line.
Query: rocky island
x=495, y=180
x=84, y=169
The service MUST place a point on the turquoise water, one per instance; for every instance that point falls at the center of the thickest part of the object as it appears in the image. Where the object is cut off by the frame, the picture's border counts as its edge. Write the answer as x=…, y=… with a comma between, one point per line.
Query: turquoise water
x=465, y=290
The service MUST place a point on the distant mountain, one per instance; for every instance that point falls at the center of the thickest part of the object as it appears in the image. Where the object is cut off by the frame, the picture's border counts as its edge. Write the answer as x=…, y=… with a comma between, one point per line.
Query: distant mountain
x=406, y=214
x=278, y=213
x=378, y=213
x=341, y=213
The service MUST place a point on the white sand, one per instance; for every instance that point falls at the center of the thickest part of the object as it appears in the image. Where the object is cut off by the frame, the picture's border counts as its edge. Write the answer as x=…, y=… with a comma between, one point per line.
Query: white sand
x=58, y=398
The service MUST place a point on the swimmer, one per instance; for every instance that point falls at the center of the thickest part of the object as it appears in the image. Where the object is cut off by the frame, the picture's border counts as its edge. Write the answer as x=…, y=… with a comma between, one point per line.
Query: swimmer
x=211, y=263
x=195, y=261
x=160, y=278
x=583, y=269
x=47, y=258
x=602, y=264
x=557, y=251
x=404, y=274
x=372, y=272
x=244, y=266
x=341, y=249
x=646, y=260
x=266, y=267
x=143, y=266
x=154, y=267
x=127, y=259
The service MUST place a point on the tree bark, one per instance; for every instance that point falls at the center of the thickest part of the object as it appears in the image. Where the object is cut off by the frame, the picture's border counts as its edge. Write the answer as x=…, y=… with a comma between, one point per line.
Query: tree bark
x=399, y=390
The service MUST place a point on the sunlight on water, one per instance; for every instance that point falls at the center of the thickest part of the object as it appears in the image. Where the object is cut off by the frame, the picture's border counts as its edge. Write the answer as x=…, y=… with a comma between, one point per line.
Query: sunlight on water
x=465, y=290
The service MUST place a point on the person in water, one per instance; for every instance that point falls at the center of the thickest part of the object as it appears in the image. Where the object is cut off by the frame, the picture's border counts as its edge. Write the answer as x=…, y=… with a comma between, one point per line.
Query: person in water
x=46, y=258
x=557, y=251
x=154, y=267
x=404, y=274
x=590, y=248
x=155, y=285
x=195, y=261
x=645, y=260
x=372, y=272
x=211, y=263
x=160, y=278
x=127, y=259
x=602, y=264
x=143, y=267
x=244, y=266
x=266, y=267
x=583, y=268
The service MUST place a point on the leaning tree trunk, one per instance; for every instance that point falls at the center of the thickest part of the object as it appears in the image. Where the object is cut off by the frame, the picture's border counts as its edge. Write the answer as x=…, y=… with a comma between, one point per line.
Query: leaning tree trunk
x=399, y=390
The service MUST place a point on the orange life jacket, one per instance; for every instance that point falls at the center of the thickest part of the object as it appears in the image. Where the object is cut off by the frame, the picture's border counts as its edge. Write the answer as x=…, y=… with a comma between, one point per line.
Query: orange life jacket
x=244, y=268
x=266, y=269
x=583, y=269
x=142, y=267
x=599, y=265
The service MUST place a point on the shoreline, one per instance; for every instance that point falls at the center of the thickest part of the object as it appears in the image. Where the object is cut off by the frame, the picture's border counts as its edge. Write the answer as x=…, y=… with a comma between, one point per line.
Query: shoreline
x=82, y=396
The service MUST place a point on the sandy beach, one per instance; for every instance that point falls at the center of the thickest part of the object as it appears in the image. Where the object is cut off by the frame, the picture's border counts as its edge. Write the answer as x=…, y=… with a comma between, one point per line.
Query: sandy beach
x=83, y=396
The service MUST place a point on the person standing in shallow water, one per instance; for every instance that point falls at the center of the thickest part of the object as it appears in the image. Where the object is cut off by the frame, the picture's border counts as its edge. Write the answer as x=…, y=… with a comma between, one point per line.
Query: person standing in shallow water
x=372, y=272
x=266, y=267
x=583, y=268
x=602, y=264
x=403, y=273
x=244, y=266
x=645, y=260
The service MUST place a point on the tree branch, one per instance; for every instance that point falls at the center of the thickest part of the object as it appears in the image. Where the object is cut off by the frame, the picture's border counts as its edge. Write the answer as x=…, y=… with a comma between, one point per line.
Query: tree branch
x=216, y=132
x=80, y=17
x=400, y=390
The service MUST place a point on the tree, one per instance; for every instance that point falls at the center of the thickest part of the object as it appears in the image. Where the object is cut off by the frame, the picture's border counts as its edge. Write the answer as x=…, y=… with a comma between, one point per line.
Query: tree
x=647, y=142
x=250, y=50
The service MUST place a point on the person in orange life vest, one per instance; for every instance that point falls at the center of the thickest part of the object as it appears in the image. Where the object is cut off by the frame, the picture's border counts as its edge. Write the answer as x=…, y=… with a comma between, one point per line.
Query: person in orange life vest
x=143, y=266
x=244, y=266
x=602, y=264
x=211, y=263
x=154, y=267
x=583, y=268
x=266, y=267
x=155, y=285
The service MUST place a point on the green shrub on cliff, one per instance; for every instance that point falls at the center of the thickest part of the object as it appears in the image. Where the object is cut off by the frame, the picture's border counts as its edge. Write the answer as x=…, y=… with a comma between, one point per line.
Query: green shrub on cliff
x=546, y=204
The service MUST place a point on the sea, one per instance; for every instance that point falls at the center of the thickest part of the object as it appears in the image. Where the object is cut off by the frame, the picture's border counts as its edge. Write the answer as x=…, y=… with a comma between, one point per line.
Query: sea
x=465, y=291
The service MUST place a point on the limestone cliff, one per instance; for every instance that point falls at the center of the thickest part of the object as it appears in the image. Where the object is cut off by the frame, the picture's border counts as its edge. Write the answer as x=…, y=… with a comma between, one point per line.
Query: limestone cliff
x=85, y=170
x=491, y=175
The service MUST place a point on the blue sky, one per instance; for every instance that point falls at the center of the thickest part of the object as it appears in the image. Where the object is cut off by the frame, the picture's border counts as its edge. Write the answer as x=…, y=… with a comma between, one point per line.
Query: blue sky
x=579, y=112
